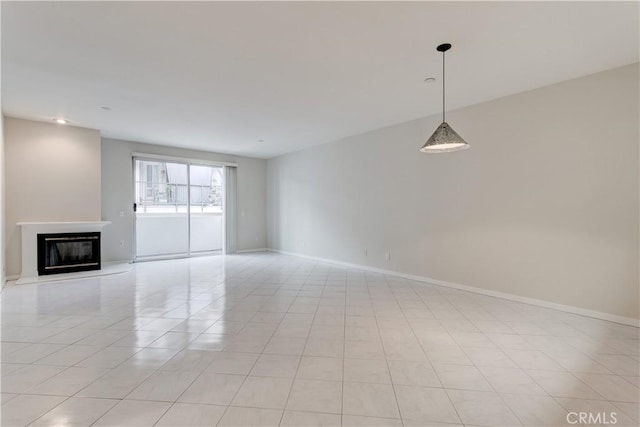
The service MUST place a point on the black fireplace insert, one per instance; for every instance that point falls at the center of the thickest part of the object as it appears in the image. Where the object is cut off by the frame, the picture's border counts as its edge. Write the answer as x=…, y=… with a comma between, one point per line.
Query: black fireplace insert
x=68, y=252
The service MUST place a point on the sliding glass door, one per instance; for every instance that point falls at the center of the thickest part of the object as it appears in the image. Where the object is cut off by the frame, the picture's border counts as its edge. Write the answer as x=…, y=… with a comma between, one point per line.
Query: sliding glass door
x=178, y=209
x=206, y=190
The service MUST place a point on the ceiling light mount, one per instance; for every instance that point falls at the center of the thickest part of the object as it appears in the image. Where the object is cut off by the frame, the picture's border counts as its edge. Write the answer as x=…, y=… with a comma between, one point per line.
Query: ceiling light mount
x=443, y=47
x=444, y=139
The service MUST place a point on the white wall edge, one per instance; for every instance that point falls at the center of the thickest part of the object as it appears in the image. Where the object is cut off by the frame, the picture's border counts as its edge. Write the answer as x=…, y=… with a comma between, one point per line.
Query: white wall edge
x=247, y=251
x=496, y=294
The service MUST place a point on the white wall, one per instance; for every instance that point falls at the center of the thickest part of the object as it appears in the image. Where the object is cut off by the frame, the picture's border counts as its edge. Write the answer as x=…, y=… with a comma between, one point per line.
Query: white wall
x=52, y=174
x=3, y=269
x=544, y=204
x=117, y=195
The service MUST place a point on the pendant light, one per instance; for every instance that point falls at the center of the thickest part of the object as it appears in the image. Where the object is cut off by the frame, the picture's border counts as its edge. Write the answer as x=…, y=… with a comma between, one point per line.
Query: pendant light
x=444, y=139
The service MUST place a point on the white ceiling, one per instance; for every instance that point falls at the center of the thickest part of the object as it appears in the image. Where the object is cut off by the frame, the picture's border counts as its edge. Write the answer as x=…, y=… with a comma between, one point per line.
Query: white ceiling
x=221, y=76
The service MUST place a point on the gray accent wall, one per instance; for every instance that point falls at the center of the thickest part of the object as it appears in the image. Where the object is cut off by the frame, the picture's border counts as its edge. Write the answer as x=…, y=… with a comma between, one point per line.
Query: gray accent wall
x=544, y=205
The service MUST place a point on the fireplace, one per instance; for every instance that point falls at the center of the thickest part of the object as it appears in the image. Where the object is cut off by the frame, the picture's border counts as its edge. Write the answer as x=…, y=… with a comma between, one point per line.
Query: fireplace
x=68, y=252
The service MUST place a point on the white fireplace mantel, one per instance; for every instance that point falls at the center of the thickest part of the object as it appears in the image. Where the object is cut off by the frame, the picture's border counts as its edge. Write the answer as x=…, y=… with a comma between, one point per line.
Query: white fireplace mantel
x=68, y=224
x=30, y=231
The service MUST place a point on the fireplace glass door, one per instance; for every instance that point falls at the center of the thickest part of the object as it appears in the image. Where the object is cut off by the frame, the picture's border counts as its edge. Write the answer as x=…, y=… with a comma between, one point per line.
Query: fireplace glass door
x=68, y=252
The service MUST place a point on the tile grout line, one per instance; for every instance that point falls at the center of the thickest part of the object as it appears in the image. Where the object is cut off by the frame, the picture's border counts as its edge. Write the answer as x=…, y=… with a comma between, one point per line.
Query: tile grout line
x=158, y=369
x=303, y=349
x=252, y=367
x=484, y=376
x=404, y=315
x=344, y=345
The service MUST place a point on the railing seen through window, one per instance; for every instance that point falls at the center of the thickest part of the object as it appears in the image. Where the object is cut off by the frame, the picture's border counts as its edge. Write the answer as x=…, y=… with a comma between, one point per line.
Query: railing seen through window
x=162, y=188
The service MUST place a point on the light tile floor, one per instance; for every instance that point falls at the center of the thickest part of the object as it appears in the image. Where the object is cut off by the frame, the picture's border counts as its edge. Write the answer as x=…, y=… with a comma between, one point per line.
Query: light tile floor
x=266, y=339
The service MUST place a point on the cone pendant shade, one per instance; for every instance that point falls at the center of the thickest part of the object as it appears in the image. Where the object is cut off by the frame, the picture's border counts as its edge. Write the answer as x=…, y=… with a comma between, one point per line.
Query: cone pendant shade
x=444, y=140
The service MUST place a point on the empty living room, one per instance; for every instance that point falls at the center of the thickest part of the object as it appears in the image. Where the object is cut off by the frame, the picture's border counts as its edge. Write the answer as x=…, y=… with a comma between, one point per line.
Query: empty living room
x=320, y=213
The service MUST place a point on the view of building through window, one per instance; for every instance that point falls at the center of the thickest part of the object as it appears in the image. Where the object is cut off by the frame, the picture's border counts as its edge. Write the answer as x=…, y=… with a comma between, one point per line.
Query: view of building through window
x=164, y=187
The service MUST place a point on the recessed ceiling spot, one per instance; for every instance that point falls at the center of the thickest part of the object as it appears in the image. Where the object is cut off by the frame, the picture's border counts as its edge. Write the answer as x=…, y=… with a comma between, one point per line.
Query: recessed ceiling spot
x=430, y=80
x=61, y=121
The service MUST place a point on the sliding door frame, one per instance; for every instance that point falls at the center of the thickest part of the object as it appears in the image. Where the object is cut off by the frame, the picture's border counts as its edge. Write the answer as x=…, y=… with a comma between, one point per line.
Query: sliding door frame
x=188, y=163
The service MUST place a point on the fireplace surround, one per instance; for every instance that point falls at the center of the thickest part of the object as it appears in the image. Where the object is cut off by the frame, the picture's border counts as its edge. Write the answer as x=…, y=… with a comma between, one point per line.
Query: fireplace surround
x=30, y=232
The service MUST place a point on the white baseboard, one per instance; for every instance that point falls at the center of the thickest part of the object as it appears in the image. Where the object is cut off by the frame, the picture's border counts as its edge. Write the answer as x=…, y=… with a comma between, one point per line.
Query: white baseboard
x=248, y=251
x=504, y=295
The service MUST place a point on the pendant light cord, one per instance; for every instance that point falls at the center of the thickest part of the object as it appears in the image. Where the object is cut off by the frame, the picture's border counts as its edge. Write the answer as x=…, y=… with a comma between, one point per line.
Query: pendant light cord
x=443, y=89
